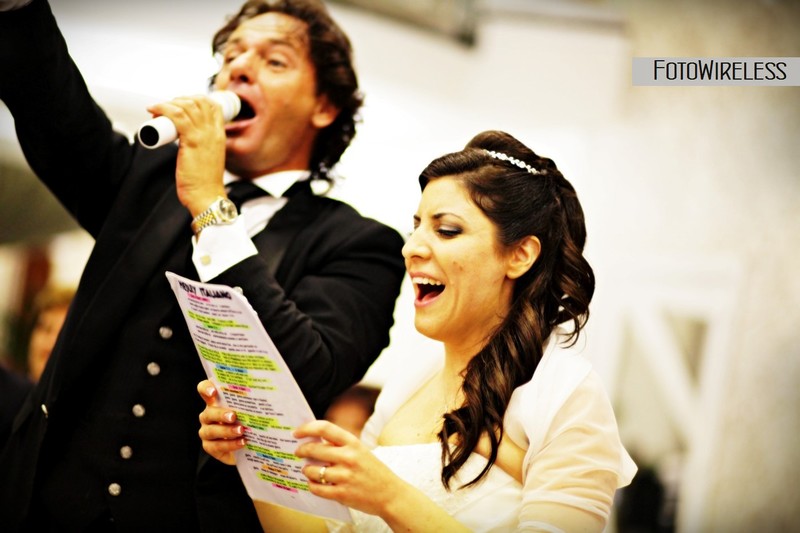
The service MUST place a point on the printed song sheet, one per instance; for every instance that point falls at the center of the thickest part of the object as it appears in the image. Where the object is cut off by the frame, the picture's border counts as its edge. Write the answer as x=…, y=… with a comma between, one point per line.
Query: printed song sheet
x=254, y=380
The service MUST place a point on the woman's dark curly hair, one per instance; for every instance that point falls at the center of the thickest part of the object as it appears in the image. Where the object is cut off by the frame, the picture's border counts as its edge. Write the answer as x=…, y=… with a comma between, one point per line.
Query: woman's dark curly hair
x=331, y=54
x=556, y=289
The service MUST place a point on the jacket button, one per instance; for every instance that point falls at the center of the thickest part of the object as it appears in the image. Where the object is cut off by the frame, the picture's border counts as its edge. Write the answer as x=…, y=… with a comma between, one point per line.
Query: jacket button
x=153, y=369
x=126, y=452
x=115, y=489
x=138, y=410
x=165, y=332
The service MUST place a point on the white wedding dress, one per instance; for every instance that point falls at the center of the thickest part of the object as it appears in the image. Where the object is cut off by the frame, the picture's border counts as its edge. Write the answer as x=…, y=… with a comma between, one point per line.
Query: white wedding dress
x=563, y=418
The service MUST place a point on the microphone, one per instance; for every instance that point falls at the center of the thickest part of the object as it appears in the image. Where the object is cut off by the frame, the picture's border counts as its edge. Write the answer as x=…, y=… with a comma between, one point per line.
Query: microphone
x=160, y=130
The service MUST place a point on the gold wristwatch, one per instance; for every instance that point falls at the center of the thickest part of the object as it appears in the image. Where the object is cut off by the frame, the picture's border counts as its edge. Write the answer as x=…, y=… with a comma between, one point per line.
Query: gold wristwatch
x=221, y=211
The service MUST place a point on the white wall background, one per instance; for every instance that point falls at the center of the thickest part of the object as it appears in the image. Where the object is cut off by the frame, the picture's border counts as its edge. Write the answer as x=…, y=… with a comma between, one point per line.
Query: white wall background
x=692, y=197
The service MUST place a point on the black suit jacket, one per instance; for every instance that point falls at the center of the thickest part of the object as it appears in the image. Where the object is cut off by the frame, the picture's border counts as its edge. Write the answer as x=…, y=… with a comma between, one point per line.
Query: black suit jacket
x=14, y=387
x=111, y=428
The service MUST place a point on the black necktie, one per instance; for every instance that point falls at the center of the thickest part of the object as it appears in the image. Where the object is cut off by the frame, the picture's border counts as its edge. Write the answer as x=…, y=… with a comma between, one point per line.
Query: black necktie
x=243, y=190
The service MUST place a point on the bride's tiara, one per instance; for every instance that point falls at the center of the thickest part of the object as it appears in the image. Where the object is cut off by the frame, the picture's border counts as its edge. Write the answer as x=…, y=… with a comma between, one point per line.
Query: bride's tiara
x=513, y=161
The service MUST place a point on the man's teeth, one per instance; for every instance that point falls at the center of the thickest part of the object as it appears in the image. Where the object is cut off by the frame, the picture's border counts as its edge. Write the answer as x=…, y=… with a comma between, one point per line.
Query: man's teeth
x=419, y=280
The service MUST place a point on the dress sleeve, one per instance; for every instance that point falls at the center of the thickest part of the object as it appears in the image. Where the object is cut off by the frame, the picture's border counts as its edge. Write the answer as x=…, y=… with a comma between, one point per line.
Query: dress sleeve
x=573, y=475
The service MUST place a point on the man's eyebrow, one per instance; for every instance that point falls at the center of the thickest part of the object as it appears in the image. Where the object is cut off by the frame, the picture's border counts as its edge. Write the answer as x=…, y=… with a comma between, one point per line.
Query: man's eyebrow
x=293, y=44
x=232, y=41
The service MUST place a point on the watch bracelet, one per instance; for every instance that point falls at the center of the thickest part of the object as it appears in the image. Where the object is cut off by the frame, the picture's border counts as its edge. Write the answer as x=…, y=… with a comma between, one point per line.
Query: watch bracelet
x=205, y=218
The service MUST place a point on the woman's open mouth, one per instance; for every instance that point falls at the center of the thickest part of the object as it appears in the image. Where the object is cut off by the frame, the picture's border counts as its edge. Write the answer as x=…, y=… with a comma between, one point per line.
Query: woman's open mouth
x=427, y=289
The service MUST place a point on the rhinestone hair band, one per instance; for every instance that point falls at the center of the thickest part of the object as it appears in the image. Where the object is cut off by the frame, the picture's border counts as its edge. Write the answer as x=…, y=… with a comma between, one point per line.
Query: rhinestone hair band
x=514, y=161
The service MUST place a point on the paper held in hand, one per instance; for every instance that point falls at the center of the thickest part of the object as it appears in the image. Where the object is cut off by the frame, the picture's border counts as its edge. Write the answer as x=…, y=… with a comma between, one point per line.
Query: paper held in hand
x=253, y=379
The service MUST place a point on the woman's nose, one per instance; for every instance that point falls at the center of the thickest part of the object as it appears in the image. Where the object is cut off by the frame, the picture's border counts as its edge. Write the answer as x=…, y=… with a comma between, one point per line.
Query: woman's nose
x=415, y=246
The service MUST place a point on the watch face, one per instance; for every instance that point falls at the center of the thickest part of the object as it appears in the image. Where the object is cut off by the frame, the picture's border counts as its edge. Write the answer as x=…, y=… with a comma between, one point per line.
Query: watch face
x=227, y=210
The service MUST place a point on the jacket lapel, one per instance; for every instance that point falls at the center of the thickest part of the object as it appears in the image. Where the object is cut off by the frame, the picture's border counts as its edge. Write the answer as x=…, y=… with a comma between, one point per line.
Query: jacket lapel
x=298, y=213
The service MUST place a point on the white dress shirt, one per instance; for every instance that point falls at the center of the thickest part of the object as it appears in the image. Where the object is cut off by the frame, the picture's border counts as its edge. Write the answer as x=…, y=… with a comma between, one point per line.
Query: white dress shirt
x=219, y=247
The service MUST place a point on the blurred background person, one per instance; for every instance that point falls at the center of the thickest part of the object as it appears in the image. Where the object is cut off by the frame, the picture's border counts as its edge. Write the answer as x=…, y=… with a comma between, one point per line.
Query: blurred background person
x=351, y=409
x=49, y=312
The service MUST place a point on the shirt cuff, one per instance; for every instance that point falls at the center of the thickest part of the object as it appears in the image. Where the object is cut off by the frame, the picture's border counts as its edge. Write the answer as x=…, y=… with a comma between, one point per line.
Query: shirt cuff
x=220, y=247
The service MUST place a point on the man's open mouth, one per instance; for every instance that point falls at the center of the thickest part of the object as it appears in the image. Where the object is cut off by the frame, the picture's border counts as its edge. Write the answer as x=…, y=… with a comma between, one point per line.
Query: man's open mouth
x=246, y=111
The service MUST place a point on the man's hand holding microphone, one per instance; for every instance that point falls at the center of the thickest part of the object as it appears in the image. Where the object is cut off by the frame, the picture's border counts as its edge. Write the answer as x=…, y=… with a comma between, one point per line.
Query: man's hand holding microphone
x=199, y=123
x=161, y=130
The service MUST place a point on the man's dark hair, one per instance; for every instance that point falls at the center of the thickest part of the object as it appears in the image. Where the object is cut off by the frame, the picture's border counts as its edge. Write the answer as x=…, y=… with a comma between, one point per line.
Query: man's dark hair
x=331, y=54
